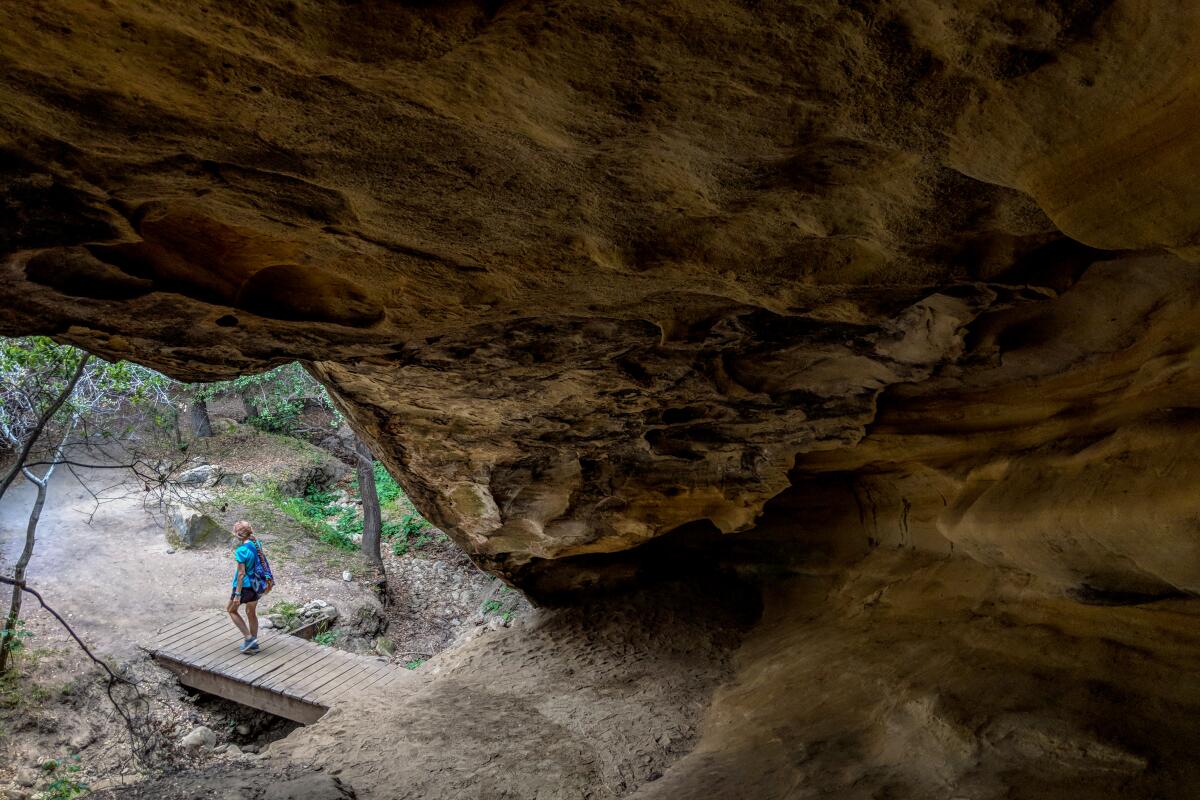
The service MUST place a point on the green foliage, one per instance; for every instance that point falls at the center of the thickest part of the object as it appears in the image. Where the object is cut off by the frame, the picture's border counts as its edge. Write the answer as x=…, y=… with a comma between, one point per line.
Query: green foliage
x=337, y=526
x=276, y=396
x=64, y=787
x=416, y=662
x=327, y=638
x=385, y=485
x=492, y=606
x=15, y=642
x=314, y=510
x=34, y=370
x=289, y=611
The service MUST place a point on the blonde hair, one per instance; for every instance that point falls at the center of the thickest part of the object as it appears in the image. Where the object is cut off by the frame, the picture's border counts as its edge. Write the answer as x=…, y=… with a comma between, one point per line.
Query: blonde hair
x=242, y=529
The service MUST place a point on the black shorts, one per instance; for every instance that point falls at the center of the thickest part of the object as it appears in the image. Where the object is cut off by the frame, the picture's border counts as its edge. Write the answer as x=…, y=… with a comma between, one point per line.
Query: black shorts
x=249, y=595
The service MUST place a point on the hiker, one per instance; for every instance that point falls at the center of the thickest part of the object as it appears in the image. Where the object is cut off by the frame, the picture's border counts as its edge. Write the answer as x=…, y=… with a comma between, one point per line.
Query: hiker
x=252, y=580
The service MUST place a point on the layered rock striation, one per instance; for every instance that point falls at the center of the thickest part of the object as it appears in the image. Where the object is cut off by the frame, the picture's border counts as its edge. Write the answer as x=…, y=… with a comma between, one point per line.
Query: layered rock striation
x=590, y=275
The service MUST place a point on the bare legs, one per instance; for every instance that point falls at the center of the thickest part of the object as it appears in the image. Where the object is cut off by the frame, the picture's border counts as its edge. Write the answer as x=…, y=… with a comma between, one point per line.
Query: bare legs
x=252, y=618
x=237, y=620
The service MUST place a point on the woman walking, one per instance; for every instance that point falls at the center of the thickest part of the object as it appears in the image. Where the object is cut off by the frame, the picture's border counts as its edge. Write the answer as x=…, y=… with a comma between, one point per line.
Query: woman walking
x=251, y=581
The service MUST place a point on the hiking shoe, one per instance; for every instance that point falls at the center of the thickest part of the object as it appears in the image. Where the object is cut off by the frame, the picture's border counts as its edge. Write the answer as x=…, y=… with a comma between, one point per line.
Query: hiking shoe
x=253, y=646
x=249, y=646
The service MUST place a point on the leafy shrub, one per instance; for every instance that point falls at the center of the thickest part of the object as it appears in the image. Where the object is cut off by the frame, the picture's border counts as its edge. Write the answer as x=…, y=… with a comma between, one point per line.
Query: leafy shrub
x=385, y=485
x=64, y=789
x=277, y=396
x=327, y=638
x=15, y=642
x=492, y=606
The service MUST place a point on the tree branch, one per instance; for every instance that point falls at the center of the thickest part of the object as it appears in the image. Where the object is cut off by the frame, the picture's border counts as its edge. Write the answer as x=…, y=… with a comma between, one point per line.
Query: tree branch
x=113, y=678
x=42, y=422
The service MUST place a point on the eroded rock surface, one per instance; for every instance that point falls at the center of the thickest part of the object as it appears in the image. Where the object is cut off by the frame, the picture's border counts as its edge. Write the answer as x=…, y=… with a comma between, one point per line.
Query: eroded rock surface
x=587, y=274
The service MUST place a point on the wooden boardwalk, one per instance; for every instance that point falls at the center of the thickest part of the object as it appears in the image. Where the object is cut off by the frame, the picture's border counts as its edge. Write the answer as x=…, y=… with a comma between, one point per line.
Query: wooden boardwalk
x=288, y=677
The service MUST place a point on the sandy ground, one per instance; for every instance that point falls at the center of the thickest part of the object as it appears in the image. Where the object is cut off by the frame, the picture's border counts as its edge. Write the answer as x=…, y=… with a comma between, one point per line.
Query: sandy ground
x=905, y=678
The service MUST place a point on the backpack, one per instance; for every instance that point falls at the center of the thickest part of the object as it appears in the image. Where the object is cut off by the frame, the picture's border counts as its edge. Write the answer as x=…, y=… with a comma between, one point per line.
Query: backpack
x=259, y=571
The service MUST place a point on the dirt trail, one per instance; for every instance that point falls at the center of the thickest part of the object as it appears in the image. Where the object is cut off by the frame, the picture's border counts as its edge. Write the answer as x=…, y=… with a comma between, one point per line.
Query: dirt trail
x=114, y=579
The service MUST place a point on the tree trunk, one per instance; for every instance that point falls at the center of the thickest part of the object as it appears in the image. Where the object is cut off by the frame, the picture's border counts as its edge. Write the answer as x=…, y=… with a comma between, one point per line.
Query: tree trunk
x=14, y=610
x=201, y=425
x=372, y=517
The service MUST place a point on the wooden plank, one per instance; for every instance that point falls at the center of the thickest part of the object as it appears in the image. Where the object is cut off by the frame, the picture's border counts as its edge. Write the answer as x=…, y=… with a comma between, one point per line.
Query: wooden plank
x=202, y=642
x=234, y=660
x=225, y=661
x=355, y=673
x=203, y=629
x=309, y=657
x=302, y=664
x=324, y=667
x=179, y=637
x=268, y=668
x=215, y=649
x=179, y=624
x=188, y=649
x=337, y=693
x=275, y=650
x=279, y=705
x=341, y=668
x=301, y=686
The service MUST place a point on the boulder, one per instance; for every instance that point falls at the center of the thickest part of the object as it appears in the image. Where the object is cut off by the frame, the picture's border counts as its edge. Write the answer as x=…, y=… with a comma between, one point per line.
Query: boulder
x=368, y=621
x=192, y=529
x=228, y=479
x=197, y=476
x=321, y=472
x=201, y=738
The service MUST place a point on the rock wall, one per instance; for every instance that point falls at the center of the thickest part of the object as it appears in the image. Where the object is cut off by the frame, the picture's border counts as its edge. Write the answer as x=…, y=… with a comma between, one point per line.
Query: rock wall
x=586, y=274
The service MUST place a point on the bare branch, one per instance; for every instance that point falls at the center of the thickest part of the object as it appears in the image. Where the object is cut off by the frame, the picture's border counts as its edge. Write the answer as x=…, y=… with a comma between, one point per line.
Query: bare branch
x=42, y=421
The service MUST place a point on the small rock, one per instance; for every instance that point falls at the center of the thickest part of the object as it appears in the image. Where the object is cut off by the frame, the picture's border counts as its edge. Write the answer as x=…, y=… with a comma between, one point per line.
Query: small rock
x=267, y=623
x=248, y=479
x=81, y=740
x=250, y=749
x=200, y=737
x=233, y=750
x=243, y=729
x=26, y=776
x=15, y=794
x=170, y=551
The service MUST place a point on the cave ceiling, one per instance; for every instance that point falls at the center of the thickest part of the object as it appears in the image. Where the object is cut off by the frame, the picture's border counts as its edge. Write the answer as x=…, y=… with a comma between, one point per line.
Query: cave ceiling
x=585, y=273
